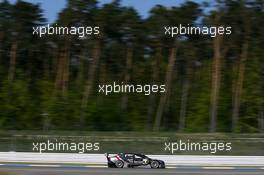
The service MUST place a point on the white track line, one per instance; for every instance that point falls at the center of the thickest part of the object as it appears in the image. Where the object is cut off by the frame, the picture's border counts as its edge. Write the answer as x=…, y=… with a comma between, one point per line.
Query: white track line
x=223, y=168
x=39, y=165
x=96, y=166
x=104, y=166
x=172, y=167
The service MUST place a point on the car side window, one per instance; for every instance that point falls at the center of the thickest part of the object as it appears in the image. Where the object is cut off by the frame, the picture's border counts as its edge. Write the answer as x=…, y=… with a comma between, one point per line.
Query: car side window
x=129, y=156
x=138, y=158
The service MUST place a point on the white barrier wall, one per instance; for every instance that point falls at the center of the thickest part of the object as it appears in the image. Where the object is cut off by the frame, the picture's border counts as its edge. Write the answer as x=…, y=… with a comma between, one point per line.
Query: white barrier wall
x=99, y=159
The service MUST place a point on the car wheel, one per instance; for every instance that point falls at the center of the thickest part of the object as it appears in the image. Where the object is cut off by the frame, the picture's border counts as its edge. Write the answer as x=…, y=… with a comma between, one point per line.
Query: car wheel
x=154, y=164
x=110, y=165
x=119, y=164
x=162, y=166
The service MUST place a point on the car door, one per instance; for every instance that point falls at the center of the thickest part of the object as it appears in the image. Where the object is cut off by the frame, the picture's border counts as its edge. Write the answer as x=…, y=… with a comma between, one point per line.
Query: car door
x=129, y=158
x=138, y=160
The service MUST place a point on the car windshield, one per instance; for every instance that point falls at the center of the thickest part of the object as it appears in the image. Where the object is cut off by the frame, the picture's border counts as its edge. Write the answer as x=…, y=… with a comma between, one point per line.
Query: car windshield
x=141, y=155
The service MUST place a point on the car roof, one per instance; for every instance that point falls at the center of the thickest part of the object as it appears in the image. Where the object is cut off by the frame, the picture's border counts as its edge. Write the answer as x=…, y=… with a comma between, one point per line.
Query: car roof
x=134, y=154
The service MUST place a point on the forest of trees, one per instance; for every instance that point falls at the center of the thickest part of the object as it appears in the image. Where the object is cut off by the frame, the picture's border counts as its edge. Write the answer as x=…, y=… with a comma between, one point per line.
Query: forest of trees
x=213, y=84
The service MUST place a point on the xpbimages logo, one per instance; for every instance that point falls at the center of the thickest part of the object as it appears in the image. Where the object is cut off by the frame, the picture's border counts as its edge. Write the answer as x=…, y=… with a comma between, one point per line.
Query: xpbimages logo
x=79, y=31
x=211, y=147
x=146, y=89
x=55, y=146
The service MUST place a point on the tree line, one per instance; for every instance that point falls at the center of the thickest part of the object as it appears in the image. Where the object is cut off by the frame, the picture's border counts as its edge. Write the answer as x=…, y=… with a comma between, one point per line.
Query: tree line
x=212, y=84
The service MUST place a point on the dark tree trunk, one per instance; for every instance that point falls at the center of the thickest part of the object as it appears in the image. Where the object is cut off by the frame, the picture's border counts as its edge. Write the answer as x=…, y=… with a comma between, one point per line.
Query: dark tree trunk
x=185, y=94
x=66, y=64
x=90, y=81
x=163, y=98
x=129, y=62
x=239, y=87
x=1, y=44
x=240, y=80
x=13, y=59
x=59, y=70
x=261, y=121
x=62, y=75
x=216, y=78
x=152, y=97
x=80, y=76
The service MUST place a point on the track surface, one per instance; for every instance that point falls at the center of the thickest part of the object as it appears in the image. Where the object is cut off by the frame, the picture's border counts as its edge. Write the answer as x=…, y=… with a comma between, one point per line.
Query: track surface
x=135, y=171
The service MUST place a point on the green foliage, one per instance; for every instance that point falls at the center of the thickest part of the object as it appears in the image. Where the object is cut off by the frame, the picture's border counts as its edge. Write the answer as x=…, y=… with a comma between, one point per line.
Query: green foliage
x=33, y=102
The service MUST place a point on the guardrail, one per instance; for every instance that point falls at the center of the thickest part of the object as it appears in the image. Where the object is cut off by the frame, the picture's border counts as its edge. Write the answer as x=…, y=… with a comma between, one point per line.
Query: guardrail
x=99, y=159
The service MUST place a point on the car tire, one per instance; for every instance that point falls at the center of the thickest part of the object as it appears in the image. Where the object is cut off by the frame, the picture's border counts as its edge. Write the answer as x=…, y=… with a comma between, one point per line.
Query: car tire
x=119, y=164
x=162, y=166
x=110, y=165
x=154, y=164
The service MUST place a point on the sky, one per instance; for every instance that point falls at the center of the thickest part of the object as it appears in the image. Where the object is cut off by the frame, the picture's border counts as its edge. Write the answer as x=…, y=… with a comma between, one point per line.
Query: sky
x=52, y=7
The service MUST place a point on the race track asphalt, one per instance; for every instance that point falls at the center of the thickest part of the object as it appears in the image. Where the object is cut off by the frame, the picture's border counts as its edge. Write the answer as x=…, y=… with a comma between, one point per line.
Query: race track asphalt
x=135, y=171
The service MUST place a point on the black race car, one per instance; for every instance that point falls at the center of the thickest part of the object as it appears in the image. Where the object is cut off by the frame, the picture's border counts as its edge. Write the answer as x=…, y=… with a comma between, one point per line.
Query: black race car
x=131, y=160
